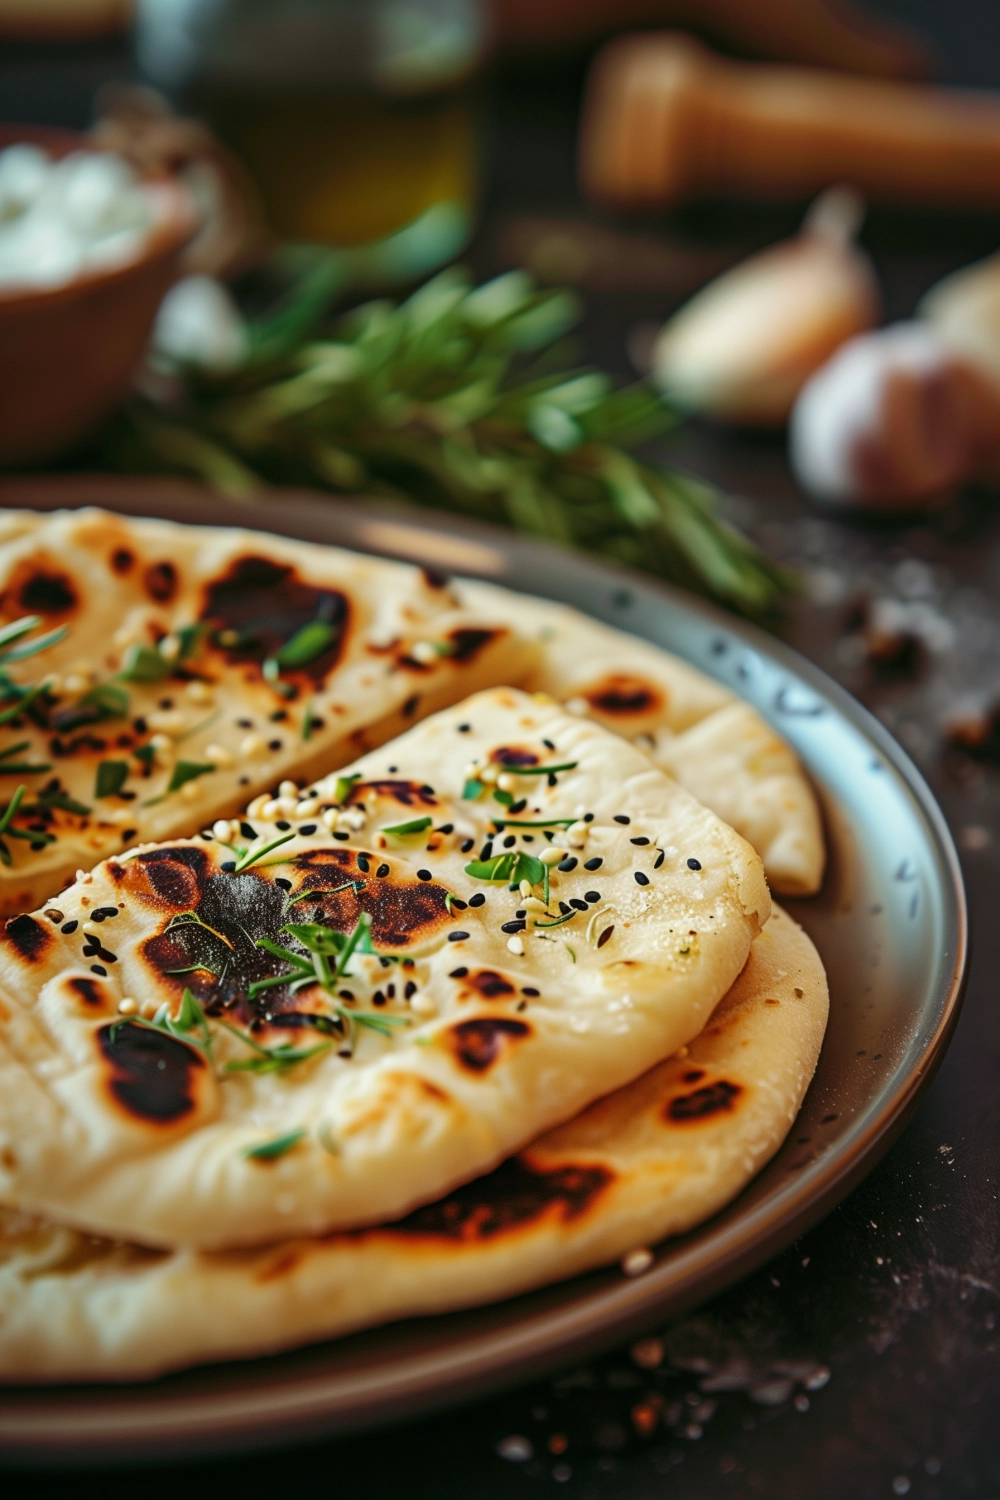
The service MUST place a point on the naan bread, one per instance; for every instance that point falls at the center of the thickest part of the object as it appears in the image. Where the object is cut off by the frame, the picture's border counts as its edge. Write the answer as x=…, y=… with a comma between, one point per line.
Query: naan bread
x=369, y=647
x=651, y=1160
x=502, y=1018
x=714, y=744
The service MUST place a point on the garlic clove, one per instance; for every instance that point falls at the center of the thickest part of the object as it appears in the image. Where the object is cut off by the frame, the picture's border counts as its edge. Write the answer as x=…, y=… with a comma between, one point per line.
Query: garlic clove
x=964, y=309
x=894, y=419
x=743, y=347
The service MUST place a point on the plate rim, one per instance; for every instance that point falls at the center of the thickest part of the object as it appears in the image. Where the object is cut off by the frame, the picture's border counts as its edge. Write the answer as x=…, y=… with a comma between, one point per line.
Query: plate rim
x=63, y=1425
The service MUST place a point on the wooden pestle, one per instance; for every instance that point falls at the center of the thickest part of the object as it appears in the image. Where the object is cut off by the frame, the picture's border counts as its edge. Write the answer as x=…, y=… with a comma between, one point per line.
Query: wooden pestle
x=665, y=120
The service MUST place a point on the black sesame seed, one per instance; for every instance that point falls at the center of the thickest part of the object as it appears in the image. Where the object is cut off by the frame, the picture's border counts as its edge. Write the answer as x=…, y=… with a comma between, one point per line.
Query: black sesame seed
x=308, y=828
x=510, y=841
x=592, y=896
x=569, y=863
x=105, y=911
x=604, y=936
x=279, y=716
x=248, y=830
x=274, y=744
x=128, y=834
x=424, y=875
x=659, y=860
x=346, y=994
x=527, y=989
x=549, y=746
x=593, y=864
x=521, y=913
x=639, y=840
x=640, y=878
x=521, y=1005
x=464, y=728
x=97, y=915
x=393, y=768
x=478, y=899
x=622, y=818
x=576, y=902
x=54, y=915
x=244, y=723
x=552, y=779
x=513, y=926
x=345, y=1052
x=343, y=837
x=378, y=998
x=382, y=871
x=283, y=825
x=694, y=864
x=486, y=852
x=410, y=991
x=564, y=908
x=518, y=807
x=229, y=865
x=69, y=927
x=363, y=865
x=283, y=884
x=467, y=844
x=385, y=962
x=166, y=702
x=98, y=969
x=457, y=937
x=207, y=835
x=446, y=828
x=458, y=973
x=457, y=904
x=529, y=838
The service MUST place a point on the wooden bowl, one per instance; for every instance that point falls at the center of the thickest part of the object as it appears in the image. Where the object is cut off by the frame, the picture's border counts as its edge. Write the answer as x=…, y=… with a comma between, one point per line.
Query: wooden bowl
x=68, y=354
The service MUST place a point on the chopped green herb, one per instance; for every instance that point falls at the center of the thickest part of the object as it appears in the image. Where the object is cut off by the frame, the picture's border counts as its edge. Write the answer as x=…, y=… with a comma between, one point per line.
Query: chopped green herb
x=111, y=777
x=472, y=789
x=538, y=823
x=304, y=647
x=10, y=767
x=515, y=867
x=190, y=1019
x=269, y=1059
x=344, y=786
x=102, y=702
x=570, y=951
x=145, y=753
x=569, y=765
x=270, y=1150
x=24, y=701
x=185, y=771
x=403, y=830
x=58, y=798
x=144, y=664
x=558, y=921
x=250, y=857
x=30, y=648
x=308, y=720
x=190, y=637
x=504, y=798
x=192, y=919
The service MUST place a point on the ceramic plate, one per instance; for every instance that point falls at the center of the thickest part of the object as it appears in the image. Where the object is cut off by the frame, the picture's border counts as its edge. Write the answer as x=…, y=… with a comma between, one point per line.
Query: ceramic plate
x=890, y=924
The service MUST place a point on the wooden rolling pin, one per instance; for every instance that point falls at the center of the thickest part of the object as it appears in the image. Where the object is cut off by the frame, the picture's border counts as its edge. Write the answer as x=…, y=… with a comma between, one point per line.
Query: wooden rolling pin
x=666, y=121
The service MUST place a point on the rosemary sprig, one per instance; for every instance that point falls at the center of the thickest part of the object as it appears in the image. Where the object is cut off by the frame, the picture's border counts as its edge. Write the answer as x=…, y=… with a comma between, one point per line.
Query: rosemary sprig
x=269, y=1059
x=272, y=1149
x=433, y=401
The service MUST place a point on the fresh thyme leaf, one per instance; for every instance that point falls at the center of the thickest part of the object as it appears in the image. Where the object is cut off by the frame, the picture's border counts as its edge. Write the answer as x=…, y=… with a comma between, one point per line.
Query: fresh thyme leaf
x=251, y=856
x=24, y=701
x=146, y=754
x=537, y=823
x=190, y=637
x=569, y=765
x=504, y=798
x=431, y=401
x=269, y=1059
x=415, y=825
x=500, y=868
x=308, y=721
x=143, y=664
x=306, y=645
x=102, y=702
x=559, y=920
x=472, y=789
x=23, y=768
x=29, y=648
x=270, y=1150
x=111, y=777
x=344, y=785
x=58, y=798
x=11, y=809
x=187, y=770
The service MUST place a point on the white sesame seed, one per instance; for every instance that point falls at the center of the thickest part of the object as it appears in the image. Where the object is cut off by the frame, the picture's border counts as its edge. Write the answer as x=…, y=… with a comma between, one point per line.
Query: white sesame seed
x=121, y=816
x=471, y=772
x=637, y=1262
x=222, y=829
x=355, y=818
x=170, y=647
x=423, y=1005
x=198, y=691
x=162, y=744
x=257, y=805
x=576, y=705
x=53, y=682
x=289, y=789
x=191, y=791
x=127, y=1007
x=252, y=746
x=515, y=945
x=166, y=720
x=532, y=903
x=90, y=927
x=329, y=818
x=489, y=774
x=75, y=683
x=551, y=856
x=580, y=810
x=307, y=808
x=577, y=835
x=270, y=810
x=285, y=806
x=218, y=755
x=506, y=782
x=525, y=887
x=424, y=652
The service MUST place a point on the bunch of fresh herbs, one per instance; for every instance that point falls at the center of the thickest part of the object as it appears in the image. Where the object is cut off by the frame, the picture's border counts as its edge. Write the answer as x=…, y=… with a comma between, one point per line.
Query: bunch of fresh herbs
x=456, y=399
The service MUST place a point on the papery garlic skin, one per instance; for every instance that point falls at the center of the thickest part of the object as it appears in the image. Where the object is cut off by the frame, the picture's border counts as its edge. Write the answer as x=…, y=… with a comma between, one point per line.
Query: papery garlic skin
x=964, y=309
x=741, y=349
x=894, y=419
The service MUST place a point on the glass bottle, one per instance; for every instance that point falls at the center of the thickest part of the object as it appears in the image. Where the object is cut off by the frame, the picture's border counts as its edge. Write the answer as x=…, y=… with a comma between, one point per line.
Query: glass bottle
x=356, y=118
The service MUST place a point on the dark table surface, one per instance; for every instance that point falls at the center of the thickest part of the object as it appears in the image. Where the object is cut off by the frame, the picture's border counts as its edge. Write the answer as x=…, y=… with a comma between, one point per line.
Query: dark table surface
x=866, y=1355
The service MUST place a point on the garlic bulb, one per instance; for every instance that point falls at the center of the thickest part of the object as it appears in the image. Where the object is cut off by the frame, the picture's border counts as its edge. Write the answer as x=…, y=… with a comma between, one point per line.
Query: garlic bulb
x=964, y=309
x=743, y=346
x=896, y=418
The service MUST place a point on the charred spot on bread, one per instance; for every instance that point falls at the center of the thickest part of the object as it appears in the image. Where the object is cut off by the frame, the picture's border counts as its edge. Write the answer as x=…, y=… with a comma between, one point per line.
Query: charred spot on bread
x=466, y=642
x=28, y=937
x=479, y=1043
x=151, y=1074
x=711, y=1099
x=620, y=695
x=39, y=587
x=513, y=755
x=507, y=1201
x=174, y=874
x=160, y=579
x=406, y=793
x=88, y=990
x=258, y=605
x=490, y=984
x=122, y=561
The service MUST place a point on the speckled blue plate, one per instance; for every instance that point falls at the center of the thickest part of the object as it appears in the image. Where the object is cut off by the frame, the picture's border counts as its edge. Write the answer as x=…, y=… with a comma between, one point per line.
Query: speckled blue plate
x=890, y=924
